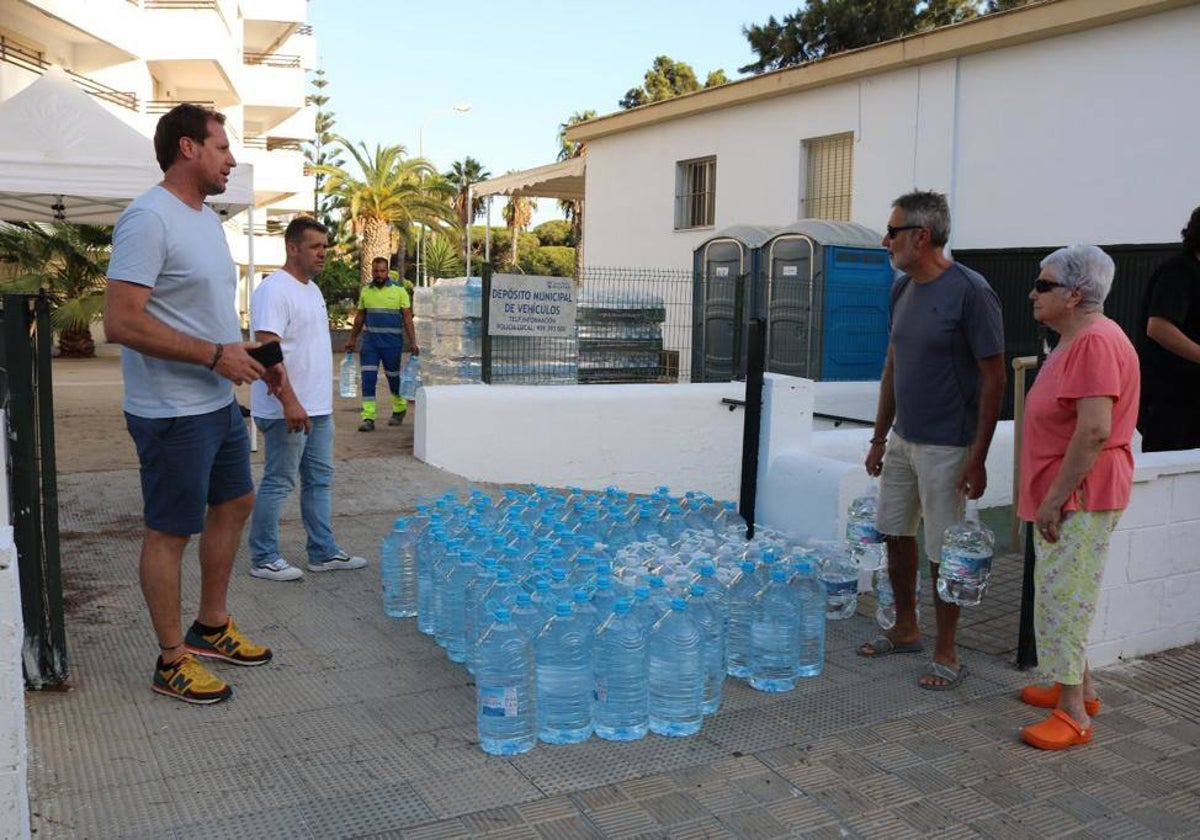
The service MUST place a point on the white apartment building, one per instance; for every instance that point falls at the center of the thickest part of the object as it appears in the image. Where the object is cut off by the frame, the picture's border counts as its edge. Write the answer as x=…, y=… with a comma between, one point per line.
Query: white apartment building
x=139, y=58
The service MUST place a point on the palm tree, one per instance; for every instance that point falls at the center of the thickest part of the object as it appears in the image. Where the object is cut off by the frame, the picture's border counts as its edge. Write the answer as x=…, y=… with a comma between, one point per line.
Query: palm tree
x=462, y=174
x=69, y=263
x=518, y=213
x=392, y=193
x=573, y=210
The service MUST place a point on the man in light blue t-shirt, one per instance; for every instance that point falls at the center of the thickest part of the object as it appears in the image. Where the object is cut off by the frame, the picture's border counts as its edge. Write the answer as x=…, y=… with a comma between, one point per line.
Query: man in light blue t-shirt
x=939, y=397
x=170, y=303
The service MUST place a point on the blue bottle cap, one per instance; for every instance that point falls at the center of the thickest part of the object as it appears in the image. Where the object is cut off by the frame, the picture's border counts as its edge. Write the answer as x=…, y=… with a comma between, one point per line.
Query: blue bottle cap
x=656, y=581
x=400, y=524
x=504, y=575
x=678, y=604
x=698, y=590
x=562, y=608
x=621, y=606
x=542, y=584
x=558, y=573
x=524, y=598
x=503, y=614
x=581, y=597
x=747, y=566
x=641, y=592
x=779, y=575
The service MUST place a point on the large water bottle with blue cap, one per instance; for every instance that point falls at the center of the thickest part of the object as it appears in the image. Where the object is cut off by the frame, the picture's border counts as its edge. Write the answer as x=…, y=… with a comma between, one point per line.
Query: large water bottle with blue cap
x=707, y=616
x=401, y=586
x=410, y=377
x=774, y=636
x=867, y=548
x=455, y=606
x=563, y=653
x=840, y=576
x=505, y=692
x=348, y=377
x=966, y=567
x=809, y=595
x=676, y=673
x=741, y=613
x=620, y=659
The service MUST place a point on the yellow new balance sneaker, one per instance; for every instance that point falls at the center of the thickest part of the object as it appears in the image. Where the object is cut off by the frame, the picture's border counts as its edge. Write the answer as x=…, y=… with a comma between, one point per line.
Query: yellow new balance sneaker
x=187, y=680
x=227, y=644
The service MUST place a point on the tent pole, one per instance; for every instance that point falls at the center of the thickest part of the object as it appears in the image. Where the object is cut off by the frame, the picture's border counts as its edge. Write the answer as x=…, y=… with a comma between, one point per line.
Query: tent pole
x=487, y=226
x=467, y=262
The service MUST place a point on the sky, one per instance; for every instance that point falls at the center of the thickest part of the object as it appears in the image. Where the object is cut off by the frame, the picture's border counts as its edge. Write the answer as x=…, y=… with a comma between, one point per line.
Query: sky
x=523, y=66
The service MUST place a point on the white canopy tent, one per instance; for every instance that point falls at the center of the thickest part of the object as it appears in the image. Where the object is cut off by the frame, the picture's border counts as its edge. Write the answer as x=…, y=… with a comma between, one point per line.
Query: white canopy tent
x=564, y=180
x=63, y=157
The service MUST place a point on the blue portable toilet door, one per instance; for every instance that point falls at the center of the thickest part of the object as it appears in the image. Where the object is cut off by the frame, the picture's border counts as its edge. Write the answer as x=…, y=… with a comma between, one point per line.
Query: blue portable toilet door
x=790, y=307
x=723, y=263
x=858, y=283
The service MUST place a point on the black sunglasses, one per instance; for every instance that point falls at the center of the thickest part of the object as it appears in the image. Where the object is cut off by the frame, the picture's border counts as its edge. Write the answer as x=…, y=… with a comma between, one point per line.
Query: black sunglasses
x=892, y=231
x=1043, y=286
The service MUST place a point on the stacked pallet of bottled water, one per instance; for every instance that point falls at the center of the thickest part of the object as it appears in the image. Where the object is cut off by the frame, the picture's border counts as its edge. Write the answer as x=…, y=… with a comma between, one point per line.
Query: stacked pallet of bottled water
x=457, y=332
x=423, y=317
x=518, y=359
x=620, y=335
x=604, y=613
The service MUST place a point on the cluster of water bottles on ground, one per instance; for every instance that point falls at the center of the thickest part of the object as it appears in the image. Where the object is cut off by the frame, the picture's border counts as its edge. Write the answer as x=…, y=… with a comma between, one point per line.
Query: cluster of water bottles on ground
x=614, y=614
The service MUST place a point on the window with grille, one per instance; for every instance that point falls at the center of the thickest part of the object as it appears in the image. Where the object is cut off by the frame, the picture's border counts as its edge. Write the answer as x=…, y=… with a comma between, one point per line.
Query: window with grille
x=828, y=177
x=695, y=193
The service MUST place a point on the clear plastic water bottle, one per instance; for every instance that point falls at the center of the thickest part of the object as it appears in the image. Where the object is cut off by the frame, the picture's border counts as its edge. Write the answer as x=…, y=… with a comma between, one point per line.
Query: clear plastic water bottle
x=966, y=567
x=583, y=606
x=455, y=606
x=473, y=616
x=840, y=576
x=809, y=595
x=741, y=613
x=398, y=552
x=526, y=616
x=867, y=548
x=426, y=547
x=885, y=599
x=707, y=616
x=505, y=689
x=563, y=653
x=410, y=377
x=620, y=661
x=604, y=597
x=774, y=637
x=676, y=673
x=348, y=376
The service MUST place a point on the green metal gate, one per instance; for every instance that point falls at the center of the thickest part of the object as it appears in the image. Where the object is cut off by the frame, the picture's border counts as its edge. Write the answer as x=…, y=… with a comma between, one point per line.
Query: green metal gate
x=28, y=401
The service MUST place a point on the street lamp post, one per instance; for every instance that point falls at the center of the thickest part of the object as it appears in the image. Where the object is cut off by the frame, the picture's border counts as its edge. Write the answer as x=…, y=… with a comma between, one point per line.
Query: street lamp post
x=462, y=108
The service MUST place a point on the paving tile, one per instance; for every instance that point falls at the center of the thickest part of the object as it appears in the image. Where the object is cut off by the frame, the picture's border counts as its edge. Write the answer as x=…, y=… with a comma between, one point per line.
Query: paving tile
x=753, y=824
x=845, y=800
x=884, y=824
x=966, y=804
x=568, y=828
x=441, y=830
x=1164, y=822
x=709, y=828
x=492, y=819
x=719, y=797
x=145, y=808
x=272, y=822
x=600, y=797
x=384, y=808
x=495, y=783
x=801, y=814
x=555, y=808
x=926, y=778
x=624, y=819
x=1079, y=805
x=1146, y=783
x=673, y=808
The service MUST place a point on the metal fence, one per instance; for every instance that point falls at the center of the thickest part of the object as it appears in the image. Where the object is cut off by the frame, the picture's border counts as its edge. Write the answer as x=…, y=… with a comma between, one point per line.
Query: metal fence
x=632, y=325
x=27, y=399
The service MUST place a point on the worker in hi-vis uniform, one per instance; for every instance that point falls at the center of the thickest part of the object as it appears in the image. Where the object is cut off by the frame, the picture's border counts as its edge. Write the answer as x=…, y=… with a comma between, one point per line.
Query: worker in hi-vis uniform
x=384, y=317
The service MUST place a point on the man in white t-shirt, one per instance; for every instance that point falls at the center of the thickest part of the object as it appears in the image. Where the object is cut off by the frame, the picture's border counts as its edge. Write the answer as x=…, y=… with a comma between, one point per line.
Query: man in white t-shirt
x=297, y=422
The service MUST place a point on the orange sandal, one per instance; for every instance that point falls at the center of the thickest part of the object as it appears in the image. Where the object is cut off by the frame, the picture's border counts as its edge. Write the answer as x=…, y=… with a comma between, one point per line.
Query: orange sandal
x=1046, y=697
x=1056, y=732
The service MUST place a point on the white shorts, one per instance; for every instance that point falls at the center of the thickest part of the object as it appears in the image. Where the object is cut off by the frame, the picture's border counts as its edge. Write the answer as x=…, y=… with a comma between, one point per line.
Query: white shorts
x=920, y=482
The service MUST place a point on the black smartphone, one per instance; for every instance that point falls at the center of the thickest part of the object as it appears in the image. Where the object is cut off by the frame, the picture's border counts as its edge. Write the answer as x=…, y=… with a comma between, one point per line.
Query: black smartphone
x=267, y=355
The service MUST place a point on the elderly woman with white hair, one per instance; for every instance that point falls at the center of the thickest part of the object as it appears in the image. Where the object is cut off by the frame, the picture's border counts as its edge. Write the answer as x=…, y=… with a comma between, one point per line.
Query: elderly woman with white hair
x=1076, y=475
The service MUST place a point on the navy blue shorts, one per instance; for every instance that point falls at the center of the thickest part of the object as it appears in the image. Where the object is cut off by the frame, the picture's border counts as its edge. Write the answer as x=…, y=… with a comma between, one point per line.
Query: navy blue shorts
x=190, y=463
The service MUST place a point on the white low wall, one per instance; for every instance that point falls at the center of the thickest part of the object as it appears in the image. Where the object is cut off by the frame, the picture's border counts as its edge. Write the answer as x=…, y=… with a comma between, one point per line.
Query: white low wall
x=636, y=437
x=14, y=795
x=1151, y=596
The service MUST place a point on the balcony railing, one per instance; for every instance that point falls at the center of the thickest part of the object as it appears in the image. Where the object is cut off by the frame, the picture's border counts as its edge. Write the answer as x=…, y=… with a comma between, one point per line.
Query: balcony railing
x=193, y=5
x=271, y=144
x=161, y=106
x=271, y=59
x=28, y=59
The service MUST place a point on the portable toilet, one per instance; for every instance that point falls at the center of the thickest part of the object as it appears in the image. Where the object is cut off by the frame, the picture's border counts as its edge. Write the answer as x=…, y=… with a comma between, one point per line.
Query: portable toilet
x=824, y=290
x=724, y=269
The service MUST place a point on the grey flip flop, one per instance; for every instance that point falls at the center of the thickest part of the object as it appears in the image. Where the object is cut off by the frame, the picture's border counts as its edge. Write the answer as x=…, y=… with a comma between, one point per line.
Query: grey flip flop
x=943, y=672
x=881, y=645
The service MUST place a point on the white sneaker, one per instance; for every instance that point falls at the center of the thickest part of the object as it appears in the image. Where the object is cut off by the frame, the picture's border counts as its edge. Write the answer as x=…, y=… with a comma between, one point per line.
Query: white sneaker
x=277, y=569
x=337, y=562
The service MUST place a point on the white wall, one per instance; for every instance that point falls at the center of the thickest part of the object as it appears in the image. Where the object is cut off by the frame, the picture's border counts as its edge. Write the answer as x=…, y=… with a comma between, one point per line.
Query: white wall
x=1084, y=137
x=14, y=795
x=636, y=437
x=1151, y=596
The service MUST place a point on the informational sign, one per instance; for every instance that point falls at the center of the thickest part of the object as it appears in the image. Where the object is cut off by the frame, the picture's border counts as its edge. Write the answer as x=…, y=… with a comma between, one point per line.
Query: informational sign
x=532, y=306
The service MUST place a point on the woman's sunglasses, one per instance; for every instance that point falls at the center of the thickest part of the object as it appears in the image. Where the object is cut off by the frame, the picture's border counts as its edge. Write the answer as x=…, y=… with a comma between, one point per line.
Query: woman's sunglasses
x=1043, y=286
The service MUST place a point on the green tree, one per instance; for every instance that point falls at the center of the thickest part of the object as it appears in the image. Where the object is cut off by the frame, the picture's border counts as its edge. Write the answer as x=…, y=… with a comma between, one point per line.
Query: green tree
x=666, y=79
x=443, y=257
x=555, y=232
x=825, y=27
x=321, y=151
x=390, y=194
x=551, y=260
x=462, y=174
x=69, y=263
x=518, y=213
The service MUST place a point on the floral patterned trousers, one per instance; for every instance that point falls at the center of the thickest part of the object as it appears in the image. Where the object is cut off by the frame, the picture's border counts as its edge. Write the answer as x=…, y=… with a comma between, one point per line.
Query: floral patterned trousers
x=1067, y=580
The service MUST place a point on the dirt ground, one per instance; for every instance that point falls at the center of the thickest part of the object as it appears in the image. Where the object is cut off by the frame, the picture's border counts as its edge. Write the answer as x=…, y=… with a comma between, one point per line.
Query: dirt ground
x=89, y=426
